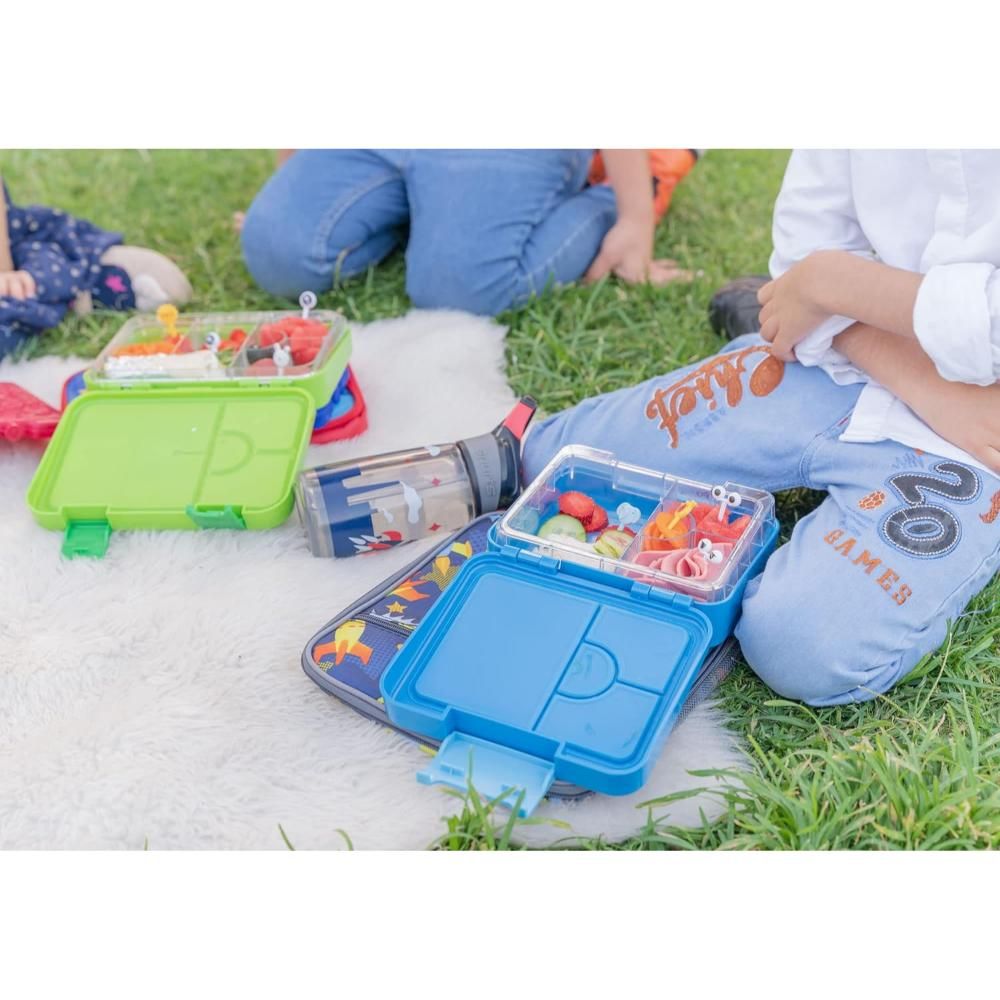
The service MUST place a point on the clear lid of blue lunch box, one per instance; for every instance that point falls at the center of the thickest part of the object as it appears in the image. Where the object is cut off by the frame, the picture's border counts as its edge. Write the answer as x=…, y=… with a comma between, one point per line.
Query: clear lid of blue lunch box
x=528, y=675
x=716, y=531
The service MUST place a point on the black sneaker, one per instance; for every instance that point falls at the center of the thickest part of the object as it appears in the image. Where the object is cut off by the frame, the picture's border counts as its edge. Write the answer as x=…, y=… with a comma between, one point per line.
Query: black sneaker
x=734, y=308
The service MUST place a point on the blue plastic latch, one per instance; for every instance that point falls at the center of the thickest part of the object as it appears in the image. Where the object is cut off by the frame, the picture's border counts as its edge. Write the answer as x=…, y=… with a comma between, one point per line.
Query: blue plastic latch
x=646, y=592
x=536, y=559
x=498, y=773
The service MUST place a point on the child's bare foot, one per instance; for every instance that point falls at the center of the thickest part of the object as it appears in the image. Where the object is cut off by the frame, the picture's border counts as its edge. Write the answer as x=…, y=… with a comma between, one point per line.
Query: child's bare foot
x=155, y=279
x=238, y=219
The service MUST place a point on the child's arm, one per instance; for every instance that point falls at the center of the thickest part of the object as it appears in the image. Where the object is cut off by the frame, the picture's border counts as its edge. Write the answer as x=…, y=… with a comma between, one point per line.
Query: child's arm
x=627, y=250
x=966, y=415
x=834, y=282
x=826, y=276
x=953, y=310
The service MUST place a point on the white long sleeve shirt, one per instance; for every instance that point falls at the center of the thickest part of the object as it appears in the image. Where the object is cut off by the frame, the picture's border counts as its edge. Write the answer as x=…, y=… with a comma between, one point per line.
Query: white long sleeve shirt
x=932, y=211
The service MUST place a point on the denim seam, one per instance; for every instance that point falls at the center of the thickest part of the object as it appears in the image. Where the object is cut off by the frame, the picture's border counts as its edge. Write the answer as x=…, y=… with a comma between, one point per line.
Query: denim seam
x=329, y=221
x=530, y=276
x=809, y=452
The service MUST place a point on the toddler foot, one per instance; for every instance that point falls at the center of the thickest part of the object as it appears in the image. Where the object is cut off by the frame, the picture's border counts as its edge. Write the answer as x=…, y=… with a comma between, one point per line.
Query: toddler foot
x=136, y=277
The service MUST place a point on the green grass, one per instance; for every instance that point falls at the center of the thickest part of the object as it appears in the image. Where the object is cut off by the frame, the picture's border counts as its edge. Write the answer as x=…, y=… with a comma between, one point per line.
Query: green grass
x=918, y=768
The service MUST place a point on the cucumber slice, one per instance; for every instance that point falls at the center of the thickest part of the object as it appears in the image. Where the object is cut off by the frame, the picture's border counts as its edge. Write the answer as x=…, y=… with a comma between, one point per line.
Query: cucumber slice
x=563, y=524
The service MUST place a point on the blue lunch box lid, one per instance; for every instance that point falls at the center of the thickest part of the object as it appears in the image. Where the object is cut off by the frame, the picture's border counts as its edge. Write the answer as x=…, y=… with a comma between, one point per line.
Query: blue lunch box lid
x=530, y=670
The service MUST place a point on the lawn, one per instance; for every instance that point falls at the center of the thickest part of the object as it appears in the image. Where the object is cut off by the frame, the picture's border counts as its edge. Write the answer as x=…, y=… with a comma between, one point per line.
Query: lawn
x=917, y=768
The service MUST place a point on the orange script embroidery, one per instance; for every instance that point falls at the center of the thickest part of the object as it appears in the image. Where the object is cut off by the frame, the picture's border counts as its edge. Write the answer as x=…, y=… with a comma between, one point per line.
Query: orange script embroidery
x=726, y=371
x=994, y=512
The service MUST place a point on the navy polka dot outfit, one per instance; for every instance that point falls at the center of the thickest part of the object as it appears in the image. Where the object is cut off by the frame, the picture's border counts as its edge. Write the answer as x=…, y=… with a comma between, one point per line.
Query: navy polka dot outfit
x=63, y=255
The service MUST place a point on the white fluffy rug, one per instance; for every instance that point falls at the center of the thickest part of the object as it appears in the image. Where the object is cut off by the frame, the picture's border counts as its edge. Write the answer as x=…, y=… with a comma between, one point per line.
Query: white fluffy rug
x=158, y=695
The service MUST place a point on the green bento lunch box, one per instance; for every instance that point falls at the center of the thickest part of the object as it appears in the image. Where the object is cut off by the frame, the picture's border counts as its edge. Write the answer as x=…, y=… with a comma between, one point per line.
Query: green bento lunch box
x=241, y=365
x=168, y=450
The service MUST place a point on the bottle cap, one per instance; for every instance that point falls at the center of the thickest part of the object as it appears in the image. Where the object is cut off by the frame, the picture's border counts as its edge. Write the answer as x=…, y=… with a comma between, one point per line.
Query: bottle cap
x=494, y=459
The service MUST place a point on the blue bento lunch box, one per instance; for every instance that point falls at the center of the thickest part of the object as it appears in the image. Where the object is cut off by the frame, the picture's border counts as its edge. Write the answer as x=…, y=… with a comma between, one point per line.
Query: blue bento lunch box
x=349, y=654
x=546, y=661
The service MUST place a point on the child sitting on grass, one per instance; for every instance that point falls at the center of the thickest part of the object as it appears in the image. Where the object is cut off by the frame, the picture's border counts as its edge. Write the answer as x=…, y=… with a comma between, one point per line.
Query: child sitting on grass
x=873, y=378
x=51, y=262
x=487, y=228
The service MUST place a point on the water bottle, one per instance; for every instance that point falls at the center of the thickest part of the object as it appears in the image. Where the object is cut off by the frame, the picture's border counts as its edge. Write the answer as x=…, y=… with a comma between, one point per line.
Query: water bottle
x=367, y=504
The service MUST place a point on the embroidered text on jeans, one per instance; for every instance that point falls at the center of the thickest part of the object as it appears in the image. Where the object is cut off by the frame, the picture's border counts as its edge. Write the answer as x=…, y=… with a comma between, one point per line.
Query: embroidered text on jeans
x=994, y=512
x=726, y=371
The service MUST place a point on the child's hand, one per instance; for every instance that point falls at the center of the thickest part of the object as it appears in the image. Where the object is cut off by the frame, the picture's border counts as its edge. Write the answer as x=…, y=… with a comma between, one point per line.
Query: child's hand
x=966, y=415
x=627, y=251
x=17, y=285
x=793, y=304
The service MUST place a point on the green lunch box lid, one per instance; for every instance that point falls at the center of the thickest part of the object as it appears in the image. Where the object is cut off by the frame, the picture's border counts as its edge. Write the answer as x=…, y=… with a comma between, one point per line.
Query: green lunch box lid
x=181, y=457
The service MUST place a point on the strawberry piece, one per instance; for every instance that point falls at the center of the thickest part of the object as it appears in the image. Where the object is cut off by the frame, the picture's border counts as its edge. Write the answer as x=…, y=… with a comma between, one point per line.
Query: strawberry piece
x=726, y=531
x=303, y=355
x=577, y=505
x=305, y=346
x=597, y=521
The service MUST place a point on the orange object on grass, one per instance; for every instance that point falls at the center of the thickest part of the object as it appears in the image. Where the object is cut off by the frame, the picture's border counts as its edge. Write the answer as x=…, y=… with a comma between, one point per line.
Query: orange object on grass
x=668, y=167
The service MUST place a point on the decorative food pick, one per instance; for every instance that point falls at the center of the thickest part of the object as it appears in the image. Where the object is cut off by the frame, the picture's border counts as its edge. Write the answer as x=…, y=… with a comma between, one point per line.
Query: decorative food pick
x=710, y=552
x=681, y=512
x=167, y=314
x=282, y=357
x=308, y=302
x=213, y=341
x=627, y=514
x=725, y=500
x=670, y=529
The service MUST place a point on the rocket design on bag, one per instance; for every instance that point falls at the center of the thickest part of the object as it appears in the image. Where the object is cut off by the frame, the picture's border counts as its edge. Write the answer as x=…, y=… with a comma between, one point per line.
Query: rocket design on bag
x=346, y=642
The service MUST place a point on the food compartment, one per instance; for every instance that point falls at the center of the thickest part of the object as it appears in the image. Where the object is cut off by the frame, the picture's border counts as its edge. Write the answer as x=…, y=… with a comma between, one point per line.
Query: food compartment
x=216, y=346
x=695, y=538
x=586, y=507
x=702, y=545
x=288, y=345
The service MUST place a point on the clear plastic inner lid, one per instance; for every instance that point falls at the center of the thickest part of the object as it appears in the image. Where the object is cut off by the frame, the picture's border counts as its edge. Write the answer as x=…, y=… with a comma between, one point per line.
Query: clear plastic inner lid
x=216, y=346
x=690, y=537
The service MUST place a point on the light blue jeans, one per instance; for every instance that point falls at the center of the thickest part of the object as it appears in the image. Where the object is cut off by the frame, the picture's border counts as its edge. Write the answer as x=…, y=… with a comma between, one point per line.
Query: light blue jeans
x=869, y=580
x=487, y=228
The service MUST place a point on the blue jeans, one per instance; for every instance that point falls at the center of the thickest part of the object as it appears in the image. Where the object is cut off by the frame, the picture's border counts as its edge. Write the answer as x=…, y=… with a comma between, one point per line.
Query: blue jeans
x=869, y=580
x=487, y=228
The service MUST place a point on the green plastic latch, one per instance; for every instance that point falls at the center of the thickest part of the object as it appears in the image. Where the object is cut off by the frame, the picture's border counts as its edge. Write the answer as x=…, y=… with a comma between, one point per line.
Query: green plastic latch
x=86, y=538
x=216, y=517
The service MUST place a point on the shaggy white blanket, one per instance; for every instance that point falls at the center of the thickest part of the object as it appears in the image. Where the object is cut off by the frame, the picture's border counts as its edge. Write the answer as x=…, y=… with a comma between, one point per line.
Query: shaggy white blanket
x=157, y=695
